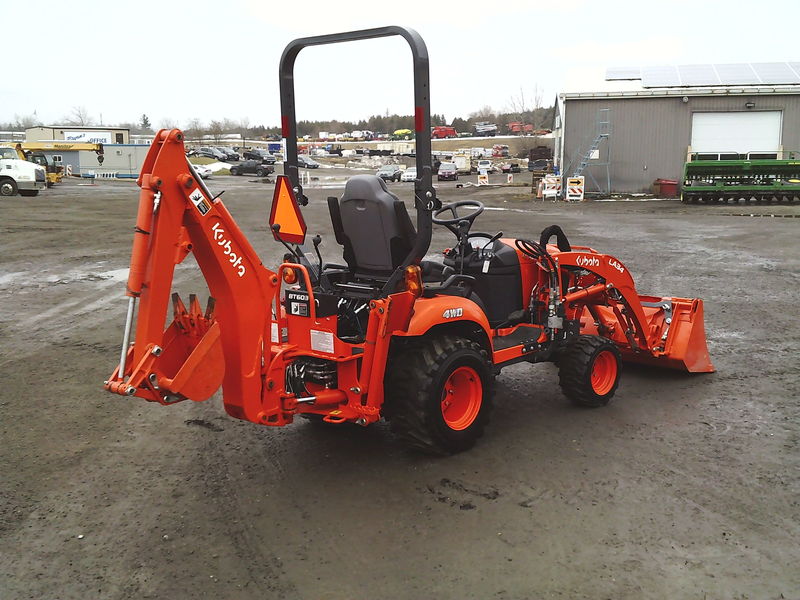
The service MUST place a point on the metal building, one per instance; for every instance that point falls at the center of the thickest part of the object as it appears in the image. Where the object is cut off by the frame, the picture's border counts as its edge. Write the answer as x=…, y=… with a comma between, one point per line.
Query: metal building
x=78, y=133
x=630, y=139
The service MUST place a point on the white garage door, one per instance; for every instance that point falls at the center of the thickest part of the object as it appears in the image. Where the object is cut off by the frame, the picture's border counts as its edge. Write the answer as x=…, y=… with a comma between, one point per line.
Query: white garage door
x=740, y=132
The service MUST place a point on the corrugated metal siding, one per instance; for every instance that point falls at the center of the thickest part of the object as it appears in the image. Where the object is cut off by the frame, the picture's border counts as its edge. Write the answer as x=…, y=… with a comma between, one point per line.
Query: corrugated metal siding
x=650, y=136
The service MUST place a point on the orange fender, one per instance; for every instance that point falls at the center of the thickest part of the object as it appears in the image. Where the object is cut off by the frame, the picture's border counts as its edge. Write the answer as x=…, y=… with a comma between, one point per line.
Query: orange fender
x=439, y=310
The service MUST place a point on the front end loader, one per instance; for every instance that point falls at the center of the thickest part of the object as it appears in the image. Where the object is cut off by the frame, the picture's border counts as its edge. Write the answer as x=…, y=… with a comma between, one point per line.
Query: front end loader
x=386, y=334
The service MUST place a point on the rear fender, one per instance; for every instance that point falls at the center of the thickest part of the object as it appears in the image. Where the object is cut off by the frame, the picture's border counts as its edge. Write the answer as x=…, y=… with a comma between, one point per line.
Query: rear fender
x=447, y=311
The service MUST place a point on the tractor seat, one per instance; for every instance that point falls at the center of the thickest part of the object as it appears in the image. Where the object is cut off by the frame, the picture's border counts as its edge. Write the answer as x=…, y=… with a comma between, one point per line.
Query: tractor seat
x=373, y=227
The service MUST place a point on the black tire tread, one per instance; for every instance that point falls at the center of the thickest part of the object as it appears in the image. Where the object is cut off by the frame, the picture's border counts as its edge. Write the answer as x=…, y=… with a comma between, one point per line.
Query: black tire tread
x=409, y=381
x=573, y=364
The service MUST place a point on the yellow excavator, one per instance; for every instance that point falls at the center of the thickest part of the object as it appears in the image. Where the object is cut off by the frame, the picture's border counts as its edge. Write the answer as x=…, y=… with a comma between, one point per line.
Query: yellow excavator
x=34, y=152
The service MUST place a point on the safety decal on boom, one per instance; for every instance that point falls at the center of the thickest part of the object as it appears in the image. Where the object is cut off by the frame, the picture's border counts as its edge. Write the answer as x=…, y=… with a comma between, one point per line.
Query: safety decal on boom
x=199, y=201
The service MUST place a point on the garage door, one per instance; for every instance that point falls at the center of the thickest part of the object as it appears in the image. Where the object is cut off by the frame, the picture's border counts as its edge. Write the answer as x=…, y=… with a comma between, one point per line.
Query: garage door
x=740, y=132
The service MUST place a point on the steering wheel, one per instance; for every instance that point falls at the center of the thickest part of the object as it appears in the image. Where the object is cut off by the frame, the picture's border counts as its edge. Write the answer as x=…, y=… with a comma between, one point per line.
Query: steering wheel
x=452, y=224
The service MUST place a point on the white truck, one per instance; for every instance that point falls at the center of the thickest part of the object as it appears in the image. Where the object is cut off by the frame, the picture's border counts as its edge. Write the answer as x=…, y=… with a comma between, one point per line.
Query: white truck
x=463, y=163
x=18, y=175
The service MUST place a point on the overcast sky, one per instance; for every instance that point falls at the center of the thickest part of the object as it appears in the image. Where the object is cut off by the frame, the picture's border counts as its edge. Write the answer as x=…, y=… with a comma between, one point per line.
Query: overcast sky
x=179, y=60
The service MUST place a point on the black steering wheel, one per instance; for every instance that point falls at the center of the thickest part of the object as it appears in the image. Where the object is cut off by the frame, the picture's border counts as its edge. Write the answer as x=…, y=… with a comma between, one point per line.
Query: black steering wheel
x=453, y=208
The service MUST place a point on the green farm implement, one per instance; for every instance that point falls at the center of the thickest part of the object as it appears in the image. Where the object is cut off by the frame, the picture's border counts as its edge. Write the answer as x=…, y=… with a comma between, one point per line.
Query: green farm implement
x=733, y=178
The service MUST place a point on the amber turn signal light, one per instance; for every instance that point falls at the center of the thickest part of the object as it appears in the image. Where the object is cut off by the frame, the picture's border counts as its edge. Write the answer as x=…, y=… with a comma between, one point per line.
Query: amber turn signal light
x=289, y=276
x=413, y=280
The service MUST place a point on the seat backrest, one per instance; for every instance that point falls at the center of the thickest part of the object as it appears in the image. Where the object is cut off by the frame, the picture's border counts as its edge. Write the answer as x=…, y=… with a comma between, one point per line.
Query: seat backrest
x=373, y=226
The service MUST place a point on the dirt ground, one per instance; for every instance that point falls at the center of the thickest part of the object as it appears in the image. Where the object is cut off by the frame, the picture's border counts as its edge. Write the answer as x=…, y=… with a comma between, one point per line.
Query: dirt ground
x=685, y=486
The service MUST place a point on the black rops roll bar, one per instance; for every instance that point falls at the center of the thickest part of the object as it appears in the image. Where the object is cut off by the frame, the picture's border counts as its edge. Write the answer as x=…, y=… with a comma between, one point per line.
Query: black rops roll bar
x=425, y=198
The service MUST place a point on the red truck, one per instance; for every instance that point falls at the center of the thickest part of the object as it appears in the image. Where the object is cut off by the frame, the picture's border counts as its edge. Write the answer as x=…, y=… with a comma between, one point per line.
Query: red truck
x=441, y=131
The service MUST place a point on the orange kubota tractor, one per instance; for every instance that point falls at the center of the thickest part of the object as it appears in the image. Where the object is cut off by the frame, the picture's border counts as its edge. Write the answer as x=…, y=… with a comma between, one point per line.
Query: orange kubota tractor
x=387, y=334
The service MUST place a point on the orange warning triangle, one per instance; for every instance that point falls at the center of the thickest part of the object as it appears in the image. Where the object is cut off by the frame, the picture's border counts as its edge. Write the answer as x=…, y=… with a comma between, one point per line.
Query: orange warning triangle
x=286, y=213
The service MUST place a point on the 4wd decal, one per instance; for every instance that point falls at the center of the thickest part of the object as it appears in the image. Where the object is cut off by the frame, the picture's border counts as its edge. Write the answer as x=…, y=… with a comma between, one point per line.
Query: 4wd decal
x=452, y=313
x=199, y=201
x=235, y=258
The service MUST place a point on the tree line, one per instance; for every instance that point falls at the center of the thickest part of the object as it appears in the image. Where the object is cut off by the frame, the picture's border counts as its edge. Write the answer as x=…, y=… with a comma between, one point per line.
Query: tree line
x=539, y=116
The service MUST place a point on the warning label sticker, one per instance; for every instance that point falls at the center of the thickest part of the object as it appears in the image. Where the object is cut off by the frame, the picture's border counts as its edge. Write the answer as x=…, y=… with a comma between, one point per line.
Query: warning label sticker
x=199, y=201
x=322, y=341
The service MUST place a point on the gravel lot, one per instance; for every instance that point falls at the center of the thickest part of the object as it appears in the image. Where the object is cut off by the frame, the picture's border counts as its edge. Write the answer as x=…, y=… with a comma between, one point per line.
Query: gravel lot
x=685, y=486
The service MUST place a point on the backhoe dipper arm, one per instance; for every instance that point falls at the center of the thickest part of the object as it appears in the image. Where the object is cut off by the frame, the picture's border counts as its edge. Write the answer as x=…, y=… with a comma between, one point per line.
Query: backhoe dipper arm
x=197, y=352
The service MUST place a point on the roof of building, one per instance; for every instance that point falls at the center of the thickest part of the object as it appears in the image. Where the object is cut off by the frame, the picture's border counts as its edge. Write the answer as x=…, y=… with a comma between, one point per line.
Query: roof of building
x=698, y=91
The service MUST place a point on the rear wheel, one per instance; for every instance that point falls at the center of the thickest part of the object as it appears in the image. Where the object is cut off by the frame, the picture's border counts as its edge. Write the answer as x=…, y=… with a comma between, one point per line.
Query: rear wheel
x=589, y=370
x=234, y=171
x=439, y=394
x=29, y=192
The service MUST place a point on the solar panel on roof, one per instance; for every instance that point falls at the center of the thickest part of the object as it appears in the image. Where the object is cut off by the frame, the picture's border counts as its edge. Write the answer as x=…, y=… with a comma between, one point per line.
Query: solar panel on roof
x=737, y=74
x=775, y=73
x=698, y=75
x=779, y=73
x=623, y=73
x=660, y=77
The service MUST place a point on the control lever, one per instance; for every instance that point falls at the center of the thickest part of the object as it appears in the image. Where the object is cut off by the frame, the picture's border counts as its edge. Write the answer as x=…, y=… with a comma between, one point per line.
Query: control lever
x=494, y=238
x=317, y=240
x=276, y=228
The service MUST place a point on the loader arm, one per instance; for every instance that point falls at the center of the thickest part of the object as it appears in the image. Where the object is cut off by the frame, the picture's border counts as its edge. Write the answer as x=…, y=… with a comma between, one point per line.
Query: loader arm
x=198, y=351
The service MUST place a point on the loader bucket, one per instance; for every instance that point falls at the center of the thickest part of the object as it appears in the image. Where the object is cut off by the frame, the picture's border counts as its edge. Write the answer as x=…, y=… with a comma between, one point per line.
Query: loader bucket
x=677, y=326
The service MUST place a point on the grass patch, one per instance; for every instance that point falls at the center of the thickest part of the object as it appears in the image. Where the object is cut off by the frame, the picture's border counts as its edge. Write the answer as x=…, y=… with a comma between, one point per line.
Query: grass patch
x=223, y=172
x=201, y=160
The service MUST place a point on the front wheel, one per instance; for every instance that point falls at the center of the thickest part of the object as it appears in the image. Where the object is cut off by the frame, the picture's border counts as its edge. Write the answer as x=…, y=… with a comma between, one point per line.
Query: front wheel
x=439, y=394
x=260, y=173
x=589, y=370
x=8, y=187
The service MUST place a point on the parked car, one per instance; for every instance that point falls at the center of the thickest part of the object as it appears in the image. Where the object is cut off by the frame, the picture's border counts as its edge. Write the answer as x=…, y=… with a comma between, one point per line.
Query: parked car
x=229, y=152
x=203, y=171
x=259, y=154
x=510, y=168
x=486, y=165
x=448, y=172
x=390, y=173
x=308, y=163
x=209, y=152
x=540, y=164
x=255, y=167
x=410, y=174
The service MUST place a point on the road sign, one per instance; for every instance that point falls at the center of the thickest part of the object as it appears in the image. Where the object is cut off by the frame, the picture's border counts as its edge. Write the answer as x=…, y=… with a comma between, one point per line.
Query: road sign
x=575, y=189
x=509, y=178
x=483, y=179
x=552, y=186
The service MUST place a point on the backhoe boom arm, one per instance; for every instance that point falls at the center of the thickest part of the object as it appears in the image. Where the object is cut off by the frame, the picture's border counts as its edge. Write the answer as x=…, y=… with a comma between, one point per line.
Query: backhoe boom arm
x=229, y=343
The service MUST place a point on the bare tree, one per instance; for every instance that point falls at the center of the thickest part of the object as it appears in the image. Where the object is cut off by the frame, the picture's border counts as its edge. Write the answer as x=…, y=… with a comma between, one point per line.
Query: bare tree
x=79, y=116
x=25, y=121
x=216, y=128
x=167, y=123
x=194, y=128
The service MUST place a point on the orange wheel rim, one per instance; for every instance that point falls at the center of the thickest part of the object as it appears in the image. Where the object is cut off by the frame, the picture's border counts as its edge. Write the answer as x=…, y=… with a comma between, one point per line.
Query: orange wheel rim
x=462, y=397
x=604, y=372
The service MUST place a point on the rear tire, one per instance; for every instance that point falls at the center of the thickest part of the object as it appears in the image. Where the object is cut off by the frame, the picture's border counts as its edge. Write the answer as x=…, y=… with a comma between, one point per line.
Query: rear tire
x=439, y=394
x=28, y=192
x=589, y=370
x=234, y=171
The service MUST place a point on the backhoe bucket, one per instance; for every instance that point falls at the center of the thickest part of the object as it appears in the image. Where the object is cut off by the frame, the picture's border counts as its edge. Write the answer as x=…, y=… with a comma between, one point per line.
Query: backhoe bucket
x=677, y=326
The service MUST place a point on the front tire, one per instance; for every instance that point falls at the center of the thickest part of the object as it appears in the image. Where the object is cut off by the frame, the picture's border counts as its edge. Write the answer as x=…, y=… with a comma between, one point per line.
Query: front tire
x=8, y=187
x=589, y=370
x=260, y=173
x=439, y=394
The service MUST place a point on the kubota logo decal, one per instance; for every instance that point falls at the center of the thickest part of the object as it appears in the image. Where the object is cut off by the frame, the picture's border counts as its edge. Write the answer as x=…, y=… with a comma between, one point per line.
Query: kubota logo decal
x=587, y=261
x=233, y=257
x=452, y=313
x=613, y=263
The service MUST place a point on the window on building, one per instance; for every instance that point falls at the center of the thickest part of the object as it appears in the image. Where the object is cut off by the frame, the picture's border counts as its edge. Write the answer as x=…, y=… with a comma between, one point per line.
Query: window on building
x=57, y=158
x=119, y=137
